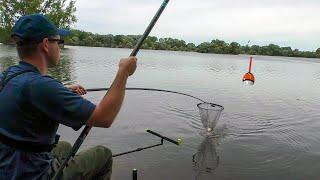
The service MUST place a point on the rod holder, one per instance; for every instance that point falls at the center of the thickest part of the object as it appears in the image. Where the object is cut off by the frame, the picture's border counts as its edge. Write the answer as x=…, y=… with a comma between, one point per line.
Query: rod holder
x=178, y=142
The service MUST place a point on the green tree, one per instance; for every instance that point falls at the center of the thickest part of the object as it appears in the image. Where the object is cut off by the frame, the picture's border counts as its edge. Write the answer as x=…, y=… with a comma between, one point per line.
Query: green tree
x=235, y=48
x=274, y=50
x=191, y=47
x=218, y=47
x=254, y=50
x=204, y=47
x=60, y=12
x=318, y=53
x=245, y=49
x=286, y=51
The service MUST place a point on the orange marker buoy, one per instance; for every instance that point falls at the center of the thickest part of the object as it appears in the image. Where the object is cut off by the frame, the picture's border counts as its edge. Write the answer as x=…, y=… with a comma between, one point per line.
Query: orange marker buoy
x=248, y=78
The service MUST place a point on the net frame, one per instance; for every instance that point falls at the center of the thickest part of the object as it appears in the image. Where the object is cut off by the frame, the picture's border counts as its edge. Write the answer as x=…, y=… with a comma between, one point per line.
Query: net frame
x=210, y=114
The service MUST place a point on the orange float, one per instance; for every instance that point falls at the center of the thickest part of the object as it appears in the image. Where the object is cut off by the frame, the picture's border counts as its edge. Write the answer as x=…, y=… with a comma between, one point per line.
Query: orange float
x=248, y=78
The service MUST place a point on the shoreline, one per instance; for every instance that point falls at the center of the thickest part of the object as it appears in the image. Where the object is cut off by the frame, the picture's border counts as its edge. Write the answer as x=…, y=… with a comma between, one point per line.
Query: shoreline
x=192, y=52
x=177, y=51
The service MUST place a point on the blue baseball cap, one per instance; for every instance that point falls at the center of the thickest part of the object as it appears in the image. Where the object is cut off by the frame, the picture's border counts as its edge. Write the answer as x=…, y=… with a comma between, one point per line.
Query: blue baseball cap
x=36, y=27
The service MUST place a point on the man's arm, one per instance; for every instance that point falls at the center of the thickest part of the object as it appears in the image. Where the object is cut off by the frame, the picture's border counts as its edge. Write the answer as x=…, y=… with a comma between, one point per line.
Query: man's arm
x=107, y=110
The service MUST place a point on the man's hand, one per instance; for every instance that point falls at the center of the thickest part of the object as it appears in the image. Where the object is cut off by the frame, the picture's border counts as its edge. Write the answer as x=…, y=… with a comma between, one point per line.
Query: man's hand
x=128, y=65
x=78, y=89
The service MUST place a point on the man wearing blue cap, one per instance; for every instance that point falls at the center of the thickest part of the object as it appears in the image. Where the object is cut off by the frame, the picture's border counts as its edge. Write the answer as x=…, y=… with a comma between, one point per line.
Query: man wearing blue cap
x=32, y=105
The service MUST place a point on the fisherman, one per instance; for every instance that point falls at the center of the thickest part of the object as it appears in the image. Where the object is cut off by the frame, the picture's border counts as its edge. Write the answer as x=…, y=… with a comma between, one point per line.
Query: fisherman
x=32, y=105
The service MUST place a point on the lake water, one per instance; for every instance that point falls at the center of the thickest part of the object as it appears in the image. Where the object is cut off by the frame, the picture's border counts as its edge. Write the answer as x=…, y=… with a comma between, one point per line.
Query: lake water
x=267, y=131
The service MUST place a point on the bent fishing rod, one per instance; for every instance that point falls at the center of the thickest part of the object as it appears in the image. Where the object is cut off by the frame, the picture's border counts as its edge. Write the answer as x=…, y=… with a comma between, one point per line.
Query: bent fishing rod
x=146, y=89
x=87, y=129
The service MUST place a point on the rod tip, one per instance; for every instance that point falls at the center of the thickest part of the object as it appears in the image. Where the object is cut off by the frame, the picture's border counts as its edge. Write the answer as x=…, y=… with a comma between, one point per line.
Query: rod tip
x=180, y=141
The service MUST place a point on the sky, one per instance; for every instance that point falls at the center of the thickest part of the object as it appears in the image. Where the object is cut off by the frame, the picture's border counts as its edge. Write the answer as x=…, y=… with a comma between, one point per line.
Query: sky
x=294, y=23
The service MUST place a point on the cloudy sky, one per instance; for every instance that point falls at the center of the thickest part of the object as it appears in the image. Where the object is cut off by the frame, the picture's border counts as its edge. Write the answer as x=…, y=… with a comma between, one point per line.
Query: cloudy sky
x=294, y=23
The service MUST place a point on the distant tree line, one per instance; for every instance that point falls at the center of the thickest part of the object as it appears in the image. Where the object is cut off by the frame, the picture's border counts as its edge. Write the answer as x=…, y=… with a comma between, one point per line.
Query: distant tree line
x=82, y=38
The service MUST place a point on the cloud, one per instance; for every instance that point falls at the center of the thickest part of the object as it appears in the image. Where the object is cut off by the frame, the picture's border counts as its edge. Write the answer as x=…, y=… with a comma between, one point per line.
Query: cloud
x=286, y=22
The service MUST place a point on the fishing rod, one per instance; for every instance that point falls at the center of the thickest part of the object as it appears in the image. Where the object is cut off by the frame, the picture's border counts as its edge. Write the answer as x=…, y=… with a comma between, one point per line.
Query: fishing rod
x=87, y=129
x=146, y=89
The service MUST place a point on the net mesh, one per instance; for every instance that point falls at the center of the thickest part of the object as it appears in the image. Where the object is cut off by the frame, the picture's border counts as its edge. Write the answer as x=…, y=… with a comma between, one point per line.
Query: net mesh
x=210, y=114
x=206, y=160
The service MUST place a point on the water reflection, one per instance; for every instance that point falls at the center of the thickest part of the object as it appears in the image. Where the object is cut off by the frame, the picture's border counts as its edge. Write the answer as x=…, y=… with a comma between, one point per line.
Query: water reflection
x=7, y=61
x=64, y=72
x=206, y=160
